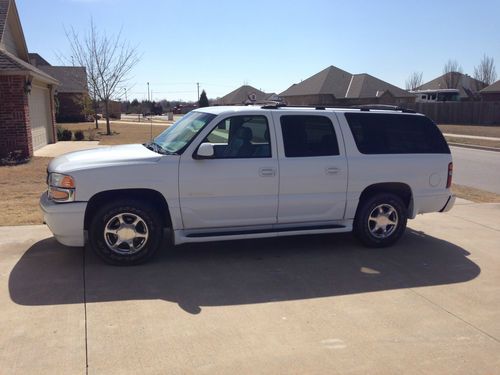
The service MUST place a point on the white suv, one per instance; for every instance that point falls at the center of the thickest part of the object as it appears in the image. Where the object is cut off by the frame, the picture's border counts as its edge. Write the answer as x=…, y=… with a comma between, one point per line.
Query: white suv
x=225, y=173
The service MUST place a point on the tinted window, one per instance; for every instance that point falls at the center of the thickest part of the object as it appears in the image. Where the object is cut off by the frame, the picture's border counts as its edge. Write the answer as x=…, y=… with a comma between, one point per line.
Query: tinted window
x=396, y=134
x=241, y=137
x=308, y=136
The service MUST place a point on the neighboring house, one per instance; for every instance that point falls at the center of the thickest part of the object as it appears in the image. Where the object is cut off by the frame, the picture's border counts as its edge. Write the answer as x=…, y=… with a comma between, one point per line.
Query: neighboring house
x=26, y=93
x=246, y=95
x=114, y=107
x=467, y=86
x=72, y=91
x=491, y=93
x=336, y=87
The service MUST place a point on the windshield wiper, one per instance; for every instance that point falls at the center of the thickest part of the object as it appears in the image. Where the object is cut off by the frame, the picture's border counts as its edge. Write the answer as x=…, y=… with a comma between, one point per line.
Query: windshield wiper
x=157, y=148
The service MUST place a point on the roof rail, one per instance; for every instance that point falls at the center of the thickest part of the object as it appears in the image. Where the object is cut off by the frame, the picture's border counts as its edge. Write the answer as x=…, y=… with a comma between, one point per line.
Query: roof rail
x=280, y=105
x=382, y=107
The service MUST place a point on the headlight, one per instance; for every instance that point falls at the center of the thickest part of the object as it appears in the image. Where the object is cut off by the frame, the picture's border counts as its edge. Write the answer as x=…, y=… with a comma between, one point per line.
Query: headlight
x=61, y=187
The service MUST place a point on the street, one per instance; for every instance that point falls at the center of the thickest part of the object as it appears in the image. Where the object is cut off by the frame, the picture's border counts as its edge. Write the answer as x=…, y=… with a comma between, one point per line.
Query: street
x=476, y=168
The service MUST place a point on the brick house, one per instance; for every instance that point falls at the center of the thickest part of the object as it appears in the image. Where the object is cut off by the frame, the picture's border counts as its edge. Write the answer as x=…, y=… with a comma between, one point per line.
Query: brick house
x=72, y=89
x=336, y=87
x=26, y=93
x=491, y=93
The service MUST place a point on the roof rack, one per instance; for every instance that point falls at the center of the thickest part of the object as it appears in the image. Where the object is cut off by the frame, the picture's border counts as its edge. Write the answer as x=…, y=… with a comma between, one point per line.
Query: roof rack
x=280, y=105
x=364, y=107
x=382, y=107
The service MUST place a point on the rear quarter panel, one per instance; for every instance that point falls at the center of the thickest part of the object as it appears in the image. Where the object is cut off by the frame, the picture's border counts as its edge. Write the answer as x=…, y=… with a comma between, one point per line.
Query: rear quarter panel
x=425, y=174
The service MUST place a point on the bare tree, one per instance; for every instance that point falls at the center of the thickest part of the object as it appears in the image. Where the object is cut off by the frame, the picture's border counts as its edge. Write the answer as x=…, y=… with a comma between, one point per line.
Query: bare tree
x=108, y=60
x=485, y=72
x=414, y=81
x=452, y=72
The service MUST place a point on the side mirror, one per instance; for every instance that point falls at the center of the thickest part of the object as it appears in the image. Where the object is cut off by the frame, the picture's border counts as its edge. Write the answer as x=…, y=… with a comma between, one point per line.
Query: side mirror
x=205, y=151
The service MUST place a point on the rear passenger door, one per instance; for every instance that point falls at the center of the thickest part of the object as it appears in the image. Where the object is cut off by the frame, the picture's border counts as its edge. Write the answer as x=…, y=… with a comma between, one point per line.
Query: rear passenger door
x=313, y=168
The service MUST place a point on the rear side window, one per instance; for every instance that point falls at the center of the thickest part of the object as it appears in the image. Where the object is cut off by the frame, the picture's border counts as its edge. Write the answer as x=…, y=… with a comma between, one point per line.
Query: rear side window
x=396, y=134
x=308, y=136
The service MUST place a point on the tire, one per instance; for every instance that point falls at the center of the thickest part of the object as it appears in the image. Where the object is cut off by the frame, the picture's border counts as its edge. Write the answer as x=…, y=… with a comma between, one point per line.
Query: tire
x=380, y=220
x=125, y=232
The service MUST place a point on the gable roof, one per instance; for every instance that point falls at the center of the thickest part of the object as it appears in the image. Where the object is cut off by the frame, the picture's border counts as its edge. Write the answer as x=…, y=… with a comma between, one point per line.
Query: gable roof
x=37, y=60
x=72, y=79
x=10, y=64
x=342, y=84
x=242, y=96
x=9, y=20
x=367, y=86
x=493, y=88
x=466, y=85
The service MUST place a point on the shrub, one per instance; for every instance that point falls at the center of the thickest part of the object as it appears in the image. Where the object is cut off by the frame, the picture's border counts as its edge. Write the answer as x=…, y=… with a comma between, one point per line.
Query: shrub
x=66, y=135
x=91, y=134
x=79, y=135
x=60, y=130
x=14, y=158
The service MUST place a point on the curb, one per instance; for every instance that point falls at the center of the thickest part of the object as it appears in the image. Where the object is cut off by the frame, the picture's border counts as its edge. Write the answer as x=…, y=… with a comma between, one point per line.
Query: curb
x=476, y=147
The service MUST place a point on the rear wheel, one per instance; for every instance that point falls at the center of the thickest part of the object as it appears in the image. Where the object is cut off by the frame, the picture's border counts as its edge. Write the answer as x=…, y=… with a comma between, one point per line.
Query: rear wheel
x=125, y=232
x=380, y=220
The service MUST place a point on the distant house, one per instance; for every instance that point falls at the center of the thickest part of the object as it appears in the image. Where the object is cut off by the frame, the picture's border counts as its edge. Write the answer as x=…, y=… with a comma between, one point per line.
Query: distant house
x=491, y=93
x=336, y=87
x=26, y=92
x=72, y=91
x=114, y=108
x=246, y=95
x=467, y=86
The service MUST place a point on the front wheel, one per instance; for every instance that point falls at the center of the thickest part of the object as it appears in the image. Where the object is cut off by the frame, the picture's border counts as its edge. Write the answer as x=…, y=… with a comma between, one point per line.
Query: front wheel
x=125, y=232
x=380, y=220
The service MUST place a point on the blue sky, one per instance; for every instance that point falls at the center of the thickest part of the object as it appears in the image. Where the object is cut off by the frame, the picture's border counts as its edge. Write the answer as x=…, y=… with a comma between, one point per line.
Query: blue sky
x=270, y=45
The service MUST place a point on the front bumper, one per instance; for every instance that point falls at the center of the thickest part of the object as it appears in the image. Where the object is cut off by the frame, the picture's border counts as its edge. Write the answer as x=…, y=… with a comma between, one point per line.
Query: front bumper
x=65, y=220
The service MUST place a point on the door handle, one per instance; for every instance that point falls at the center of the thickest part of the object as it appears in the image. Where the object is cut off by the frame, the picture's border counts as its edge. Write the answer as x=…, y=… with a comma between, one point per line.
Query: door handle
x=267, y=172
x=332, y=170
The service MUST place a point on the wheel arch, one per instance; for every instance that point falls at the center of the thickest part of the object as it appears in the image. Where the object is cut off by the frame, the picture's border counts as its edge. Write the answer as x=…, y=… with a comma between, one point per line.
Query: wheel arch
x=400, y=189
x=154, y=197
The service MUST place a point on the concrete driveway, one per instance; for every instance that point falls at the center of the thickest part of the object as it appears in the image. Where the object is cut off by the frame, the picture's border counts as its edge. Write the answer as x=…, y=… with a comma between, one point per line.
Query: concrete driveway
x=306, y=305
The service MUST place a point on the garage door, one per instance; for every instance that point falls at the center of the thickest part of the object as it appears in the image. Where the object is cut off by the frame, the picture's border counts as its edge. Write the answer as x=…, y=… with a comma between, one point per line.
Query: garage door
x=40, y=116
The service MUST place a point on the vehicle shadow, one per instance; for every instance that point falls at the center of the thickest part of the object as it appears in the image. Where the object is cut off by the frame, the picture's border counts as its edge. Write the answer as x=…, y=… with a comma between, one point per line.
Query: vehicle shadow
x=240, y=272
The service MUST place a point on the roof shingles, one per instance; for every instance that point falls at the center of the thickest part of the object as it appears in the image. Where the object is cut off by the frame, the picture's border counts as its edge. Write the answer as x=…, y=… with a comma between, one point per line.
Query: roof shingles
x=72, y=79
x=4, y=8
x=342, y=84
x=10, y=63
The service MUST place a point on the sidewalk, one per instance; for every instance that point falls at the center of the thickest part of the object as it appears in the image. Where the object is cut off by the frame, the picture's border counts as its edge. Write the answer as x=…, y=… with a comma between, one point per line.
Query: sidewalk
x=62, y=147
x=471, y=137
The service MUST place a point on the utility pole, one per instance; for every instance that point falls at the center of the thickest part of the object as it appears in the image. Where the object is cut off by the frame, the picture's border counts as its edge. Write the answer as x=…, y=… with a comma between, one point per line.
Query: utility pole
x=125, y=89
x=150, y=118
x=198, y=86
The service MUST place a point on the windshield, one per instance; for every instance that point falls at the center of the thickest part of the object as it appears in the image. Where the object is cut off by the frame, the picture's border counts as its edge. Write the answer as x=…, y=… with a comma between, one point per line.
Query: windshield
x=179, y=135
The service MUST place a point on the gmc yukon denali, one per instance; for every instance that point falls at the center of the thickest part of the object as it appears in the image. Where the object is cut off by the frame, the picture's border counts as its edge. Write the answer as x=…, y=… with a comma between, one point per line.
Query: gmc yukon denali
x=226, y=173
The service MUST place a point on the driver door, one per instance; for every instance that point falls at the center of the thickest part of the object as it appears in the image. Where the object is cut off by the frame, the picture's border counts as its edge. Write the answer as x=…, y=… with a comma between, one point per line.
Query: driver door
x=238, y=186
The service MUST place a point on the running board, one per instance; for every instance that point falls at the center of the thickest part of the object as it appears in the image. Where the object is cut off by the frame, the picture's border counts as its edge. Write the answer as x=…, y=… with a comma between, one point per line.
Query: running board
x=262, y=231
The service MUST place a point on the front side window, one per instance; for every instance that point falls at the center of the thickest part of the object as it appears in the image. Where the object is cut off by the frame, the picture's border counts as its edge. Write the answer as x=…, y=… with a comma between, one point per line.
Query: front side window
x=241, y=137
x=177, y=137
x=308, y=136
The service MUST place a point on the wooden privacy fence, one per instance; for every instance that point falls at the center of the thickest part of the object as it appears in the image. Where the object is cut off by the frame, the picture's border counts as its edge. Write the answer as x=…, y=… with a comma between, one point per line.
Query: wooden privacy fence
x=476, y=113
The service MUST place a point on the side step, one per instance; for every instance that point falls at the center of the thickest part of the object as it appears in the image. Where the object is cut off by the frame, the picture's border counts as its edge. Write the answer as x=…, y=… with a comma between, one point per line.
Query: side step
x=261, y=231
